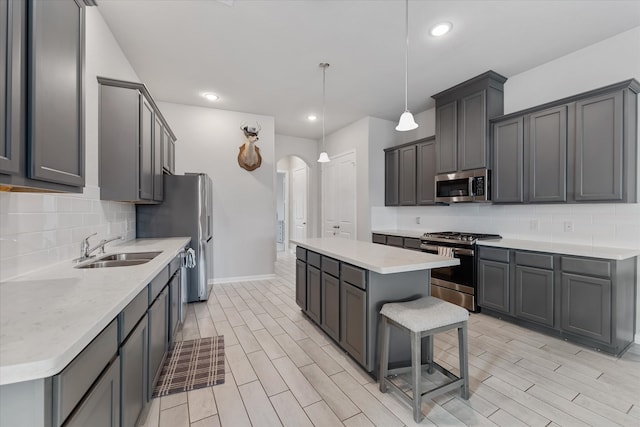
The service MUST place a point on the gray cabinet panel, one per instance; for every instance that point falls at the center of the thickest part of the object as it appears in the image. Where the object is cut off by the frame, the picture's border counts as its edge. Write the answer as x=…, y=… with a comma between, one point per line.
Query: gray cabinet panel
x=314, y=299
x=168, y=152
x=587, y=266
x=101, y=407
x=175, y=299
x=56, y=137
x=157, y=159
x=586, y=307
x=331, y=266
x=447, y=138
x=134, y=360
x=132, y=313
x=146, y=150
x=331, y=306
x=599, y=148
x=391, y=182
x=157, y=338
x=547, y=147
x=354, y=275
x=353, y=322
x=379, y=238
x=534, y=294
x=472, y=132
x=12, y=39
x=493, y=285
x=301, y=284
x=508, y=161
x=407, y=187
x=412, y=243
x=395, y=241
x=426, y=158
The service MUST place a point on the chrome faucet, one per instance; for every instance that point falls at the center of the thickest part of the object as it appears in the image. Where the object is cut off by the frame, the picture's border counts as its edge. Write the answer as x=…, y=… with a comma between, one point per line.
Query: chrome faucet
x=86, y=250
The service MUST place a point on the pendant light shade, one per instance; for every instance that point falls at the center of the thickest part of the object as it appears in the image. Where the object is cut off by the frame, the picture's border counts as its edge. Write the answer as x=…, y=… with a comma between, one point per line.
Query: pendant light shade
x=406, y=119
x=324, y=157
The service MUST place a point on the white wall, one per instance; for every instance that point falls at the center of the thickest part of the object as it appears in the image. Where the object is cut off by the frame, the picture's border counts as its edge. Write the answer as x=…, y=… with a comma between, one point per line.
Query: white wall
x=38, y=230
x=244, y=208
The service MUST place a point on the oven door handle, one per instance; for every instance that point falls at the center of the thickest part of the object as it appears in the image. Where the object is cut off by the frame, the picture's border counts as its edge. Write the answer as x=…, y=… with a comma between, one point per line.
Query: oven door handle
x=457, y=251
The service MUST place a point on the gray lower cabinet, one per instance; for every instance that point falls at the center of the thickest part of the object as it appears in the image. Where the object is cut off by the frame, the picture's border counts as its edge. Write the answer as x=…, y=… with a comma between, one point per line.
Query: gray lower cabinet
x=353, y=324
x=42, y=116
x=534, y=289
x=508, y=161
x=175, y=299
x=314, y=298
x=330, y=304
x=158, y=331
x=101, y=406
x=301, y=284
x=407, y=176
x=391, y=177
x=494, y=279
x=426, y=171
x=397, y=241
x=379, y=238
x=586, y=306
x=134, y=365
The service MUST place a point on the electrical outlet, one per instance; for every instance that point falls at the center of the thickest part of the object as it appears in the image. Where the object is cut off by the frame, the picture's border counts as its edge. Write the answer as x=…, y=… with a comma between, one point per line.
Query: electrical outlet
x=417, y=220
x=534, y=225
x=568, y=227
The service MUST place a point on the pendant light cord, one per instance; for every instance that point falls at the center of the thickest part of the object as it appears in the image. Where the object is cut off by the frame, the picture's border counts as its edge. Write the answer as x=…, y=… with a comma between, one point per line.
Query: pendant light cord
x=324, y=72
x=406, y=57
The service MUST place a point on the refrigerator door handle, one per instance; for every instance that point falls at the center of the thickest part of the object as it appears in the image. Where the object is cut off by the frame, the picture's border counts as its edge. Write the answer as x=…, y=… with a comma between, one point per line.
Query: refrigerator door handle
x=209, y=239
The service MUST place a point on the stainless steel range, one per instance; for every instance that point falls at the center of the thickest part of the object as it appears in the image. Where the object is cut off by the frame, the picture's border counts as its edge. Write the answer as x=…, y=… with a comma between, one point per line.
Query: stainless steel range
x=457, y=284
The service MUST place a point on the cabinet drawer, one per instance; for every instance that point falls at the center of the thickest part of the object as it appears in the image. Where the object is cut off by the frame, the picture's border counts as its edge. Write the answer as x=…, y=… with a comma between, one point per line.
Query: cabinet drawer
x=354, y=275
x=301, y=253
x=585, y=266
x=70, y=385
x=158, y=283
x=132, y=313
x=331, y=266
x=379, y=238
x=494, y=254
x=313, y=259
x=535, y=260
x=174, y=265
x=411, y=243
x=395, y=241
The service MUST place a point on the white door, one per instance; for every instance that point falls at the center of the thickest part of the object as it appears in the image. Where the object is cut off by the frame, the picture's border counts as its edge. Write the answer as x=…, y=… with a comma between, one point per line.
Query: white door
x=339, y=197
x=299, y=202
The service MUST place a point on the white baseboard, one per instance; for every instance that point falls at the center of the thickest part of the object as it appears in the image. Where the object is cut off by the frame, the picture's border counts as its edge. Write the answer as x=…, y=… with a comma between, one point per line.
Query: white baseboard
x=222, y=280
x=636, y=339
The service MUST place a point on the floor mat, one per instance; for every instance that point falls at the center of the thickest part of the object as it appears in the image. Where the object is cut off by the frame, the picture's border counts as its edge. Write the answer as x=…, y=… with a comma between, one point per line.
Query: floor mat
x=192, y=364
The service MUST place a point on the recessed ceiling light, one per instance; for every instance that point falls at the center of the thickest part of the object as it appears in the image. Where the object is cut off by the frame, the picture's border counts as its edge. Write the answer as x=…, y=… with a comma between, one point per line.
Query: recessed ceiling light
x=441, y=29
x=210, y=96
x=312, y=117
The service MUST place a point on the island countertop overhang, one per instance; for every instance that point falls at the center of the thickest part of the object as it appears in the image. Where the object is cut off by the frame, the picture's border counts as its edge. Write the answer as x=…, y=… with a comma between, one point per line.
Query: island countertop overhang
x=375, y=257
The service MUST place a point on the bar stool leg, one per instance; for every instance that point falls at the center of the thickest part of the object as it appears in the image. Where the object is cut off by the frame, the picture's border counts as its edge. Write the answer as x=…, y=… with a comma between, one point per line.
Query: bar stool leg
x=464, y=363
x=416, y=368
x=430, y=354
x=384, y=353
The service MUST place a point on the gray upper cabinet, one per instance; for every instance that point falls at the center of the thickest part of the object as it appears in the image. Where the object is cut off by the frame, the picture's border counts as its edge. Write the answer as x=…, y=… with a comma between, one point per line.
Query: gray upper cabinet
x=426, y=173
x=132, y=131
x=42, y=84
x=168, y=153
x=577, y=149
x=547, y=151
x=407, y=182
x=447, y=138
x=462, y=122
x=391, y=181
x=508, y=161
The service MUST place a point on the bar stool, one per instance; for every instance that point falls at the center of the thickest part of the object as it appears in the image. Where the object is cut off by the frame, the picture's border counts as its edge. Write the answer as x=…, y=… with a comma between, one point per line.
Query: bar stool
x=424, y=317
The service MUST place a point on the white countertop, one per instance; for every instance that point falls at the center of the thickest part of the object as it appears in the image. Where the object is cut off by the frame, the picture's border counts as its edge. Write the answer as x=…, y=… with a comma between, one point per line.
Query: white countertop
x=563, y=248
x=49, y=316
x=603, y=252
x=375, y=257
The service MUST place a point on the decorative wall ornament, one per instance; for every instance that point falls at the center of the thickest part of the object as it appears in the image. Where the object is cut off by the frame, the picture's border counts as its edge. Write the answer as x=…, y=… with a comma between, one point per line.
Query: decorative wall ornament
x=249, y=157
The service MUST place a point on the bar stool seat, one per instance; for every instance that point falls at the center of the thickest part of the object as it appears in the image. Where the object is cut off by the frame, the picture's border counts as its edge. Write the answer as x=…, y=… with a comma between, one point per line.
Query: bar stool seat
x=424, y=317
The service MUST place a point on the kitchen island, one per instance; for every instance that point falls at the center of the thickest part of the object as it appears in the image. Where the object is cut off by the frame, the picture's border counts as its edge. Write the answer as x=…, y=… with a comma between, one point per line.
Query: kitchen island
x=342, y=284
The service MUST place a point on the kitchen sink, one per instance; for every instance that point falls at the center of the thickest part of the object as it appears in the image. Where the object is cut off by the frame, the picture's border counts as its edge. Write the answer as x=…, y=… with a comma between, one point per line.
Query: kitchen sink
x=121, y=260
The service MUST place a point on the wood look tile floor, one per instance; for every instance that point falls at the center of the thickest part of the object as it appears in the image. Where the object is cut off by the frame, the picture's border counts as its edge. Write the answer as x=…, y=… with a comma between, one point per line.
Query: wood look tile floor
x=281, y=370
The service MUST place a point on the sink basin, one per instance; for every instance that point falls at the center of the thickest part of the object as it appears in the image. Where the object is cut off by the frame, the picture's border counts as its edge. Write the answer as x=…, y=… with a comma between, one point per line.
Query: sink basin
x=130, y=256
x=121, y=260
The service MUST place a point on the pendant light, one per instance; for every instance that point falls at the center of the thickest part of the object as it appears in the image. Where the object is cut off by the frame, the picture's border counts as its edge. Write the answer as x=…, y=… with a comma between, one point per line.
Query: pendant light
x=406, y=119
x=324, y=157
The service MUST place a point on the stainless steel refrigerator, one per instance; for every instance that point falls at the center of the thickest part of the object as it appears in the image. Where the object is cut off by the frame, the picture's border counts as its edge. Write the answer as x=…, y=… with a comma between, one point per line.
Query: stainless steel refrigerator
x=185, y=211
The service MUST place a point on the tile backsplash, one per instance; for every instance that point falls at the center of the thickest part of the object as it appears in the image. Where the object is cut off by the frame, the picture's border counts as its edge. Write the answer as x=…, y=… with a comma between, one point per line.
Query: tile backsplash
x=41, y=229
x=612, y=225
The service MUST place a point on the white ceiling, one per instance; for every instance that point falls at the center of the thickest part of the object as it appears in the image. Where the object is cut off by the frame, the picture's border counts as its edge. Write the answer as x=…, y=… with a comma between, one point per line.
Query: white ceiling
x=262, y=56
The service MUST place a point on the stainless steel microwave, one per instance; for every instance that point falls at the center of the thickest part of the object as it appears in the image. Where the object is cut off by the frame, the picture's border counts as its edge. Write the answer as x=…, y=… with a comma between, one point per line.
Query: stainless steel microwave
x=467, y=186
